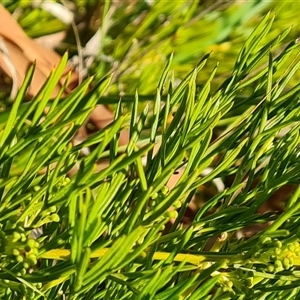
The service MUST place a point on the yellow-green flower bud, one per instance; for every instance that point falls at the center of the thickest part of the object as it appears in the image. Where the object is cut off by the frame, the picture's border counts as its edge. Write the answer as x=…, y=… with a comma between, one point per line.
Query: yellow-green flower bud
x=165, y=190
x=20, y=258
x=278, y=244
x=16, y=236
x=31, y=243
x=15, y=252
x=277, y=251
x=23, y=237
x=292, y=247
x=278, y=265
x=31, y=259
x=271, y=268
x=286, y=263
x=173, y=214
x=154, y=195
x=291, y=261
x=177, y=204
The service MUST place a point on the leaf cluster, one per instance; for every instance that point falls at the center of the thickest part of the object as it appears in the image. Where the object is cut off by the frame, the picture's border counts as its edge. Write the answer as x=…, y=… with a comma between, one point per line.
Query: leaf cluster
x=104, y=235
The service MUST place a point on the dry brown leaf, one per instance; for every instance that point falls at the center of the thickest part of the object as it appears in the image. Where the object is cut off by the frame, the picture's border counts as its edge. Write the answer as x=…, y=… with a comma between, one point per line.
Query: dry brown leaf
x=23, y=51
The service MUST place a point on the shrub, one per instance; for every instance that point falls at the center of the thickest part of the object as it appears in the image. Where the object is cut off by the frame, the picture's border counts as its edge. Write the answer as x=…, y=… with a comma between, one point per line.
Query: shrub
x=110, y=234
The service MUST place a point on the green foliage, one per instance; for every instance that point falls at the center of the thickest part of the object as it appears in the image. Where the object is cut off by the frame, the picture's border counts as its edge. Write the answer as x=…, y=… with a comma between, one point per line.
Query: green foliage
x=102, y=233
